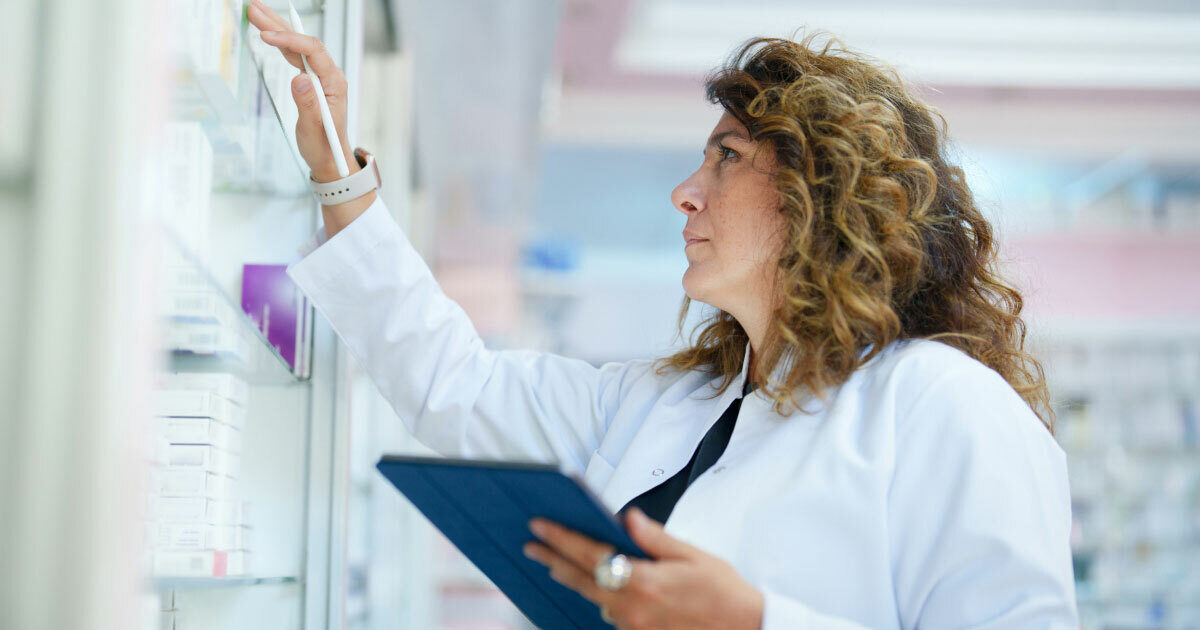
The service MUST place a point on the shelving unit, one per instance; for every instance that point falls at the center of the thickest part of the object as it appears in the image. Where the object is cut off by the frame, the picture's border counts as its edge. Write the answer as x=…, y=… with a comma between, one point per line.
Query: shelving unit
x=252, y=206
x=1128, y=402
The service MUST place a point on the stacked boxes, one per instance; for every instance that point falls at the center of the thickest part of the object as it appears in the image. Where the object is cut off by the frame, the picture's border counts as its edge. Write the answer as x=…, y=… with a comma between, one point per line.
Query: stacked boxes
x=211, y=37
x=198, y=524
x=187, y=172
x=207, y=49
x=199, y=319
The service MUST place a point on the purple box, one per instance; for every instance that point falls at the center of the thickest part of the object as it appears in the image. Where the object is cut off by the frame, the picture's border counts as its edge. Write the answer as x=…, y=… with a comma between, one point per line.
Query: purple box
x=276, y=305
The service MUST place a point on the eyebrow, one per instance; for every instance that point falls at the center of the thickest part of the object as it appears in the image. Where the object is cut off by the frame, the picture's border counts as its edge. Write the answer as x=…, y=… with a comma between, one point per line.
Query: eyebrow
x=717, y=138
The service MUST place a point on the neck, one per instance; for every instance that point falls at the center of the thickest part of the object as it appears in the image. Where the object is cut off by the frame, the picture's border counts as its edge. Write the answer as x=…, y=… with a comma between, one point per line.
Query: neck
x=755, y=325
x=753, y=312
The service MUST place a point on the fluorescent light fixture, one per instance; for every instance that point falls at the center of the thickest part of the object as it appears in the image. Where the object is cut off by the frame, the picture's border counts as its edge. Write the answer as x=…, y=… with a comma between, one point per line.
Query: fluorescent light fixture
x=975, y=46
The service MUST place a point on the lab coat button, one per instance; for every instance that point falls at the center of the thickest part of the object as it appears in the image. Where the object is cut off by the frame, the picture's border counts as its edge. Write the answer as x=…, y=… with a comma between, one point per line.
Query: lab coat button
x=657, y=472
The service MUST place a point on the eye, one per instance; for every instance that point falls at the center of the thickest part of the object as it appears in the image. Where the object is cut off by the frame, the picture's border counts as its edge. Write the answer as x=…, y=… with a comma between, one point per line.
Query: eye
x=726, y=153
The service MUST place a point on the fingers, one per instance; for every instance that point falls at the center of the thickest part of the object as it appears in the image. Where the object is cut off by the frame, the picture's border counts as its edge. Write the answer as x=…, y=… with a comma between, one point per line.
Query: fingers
x=576, y=547
x=318, y=58
x=279, y=23
x=567, y=573
x=264, y=19
x=621, y=604
x=653, y=539
x=306, y=99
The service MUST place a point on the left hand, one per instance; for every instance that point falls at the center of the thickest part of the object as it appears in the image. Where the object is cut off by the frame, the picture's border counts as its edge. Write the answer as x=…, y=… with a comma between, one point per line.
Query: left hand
x=311, y=140
x=682, y=587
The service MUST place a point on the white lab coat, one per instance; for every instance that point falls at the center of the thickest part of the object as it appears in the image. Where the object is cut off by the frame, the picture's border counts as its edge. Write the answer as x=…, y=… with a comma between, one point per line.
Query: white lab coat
x=926, y=494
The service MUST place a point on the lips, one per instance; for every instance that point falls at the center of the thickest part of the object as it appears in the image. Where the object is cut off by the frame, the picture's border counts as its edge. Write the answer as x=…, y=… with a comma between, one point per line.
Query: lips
x=691, y=238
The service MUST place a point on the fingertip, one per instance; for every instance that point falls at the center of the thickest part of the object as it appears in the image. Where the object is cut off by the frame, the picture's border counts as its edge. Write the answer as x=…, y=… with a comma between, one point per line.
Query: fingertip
x=635, y=525
x=301, y=84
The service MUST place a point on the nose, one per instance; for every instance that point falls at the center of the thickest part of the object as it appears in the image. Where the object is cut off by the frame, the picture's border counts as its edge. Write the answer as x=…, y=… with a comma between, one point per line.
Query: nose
x=688, y=197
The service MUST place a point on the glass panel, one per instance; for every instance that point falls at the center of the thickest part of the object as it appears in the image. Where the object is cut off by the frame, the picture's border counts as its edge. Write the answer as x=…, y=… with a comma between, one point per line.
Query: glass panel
x=280, y=168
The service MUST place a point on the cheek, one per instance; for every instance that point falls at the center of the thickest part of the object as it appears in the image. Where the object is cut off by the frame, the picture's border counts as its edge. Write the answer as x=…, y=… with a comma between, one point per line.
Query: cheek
x=775, y=232
x=769, y=223
x=753, y=235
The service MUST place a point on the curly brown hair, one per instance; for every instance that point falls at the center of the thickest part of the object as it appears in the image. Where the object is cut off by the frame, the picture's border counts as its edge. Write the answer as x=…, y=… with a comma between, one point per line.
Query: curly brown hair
x=884, y=240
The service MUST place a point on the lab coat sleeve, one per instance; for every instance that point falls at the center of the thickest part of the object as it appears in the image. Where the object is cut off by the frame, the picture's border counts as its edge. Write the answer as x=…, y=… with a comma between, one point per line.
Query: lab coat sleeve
x=979, y=510
x=456, y=396
x=316, y=241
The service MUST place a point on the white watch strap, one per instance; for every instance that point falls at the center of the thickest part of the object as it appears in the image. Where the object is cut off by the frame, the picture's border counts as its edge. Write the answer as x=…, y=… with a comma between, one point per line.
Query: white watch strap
x=347, y=188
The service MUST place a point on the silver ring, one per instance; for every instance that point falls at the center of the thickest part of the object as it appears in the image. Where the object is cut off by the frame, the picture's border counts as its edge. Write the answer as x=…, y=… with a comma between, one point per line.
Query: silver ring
x=613, y=572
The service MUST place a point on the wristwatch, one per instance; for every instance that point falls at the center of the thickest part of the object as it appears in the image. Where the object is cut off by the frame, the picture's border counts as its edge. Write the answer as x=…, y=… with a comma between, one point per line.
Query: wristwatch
x=347, y=188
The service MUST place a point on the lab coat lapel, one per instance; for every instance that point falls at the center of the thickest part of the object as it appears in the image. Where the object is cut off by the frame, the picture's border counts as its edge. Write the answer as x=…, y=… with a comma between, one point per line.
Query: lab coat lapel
x=667, y=439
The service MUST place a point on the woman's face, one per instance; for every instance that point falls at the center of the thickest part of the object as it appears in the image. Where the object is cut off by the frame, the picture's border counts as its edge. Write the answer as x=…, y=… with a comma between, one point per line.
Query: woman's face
x=734, y=228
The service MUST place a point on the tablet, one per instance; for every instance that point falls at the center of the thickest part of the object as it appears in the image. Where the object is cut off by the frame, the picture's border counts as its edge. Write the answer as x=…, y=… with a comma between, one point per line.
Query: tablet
x=484, y=508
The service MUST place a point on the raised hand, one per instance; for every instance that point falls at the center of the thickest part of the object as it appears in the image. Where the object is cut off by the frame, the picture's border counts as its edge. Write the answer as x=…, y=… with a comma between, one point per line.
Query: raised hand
x=310, y=134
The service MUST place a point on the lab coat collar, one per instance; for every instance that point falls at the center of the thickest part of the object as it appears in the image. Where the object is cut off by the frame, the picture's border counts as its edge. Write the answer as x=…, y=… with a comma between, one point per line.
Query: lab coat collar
x=806, y=401
x=782, y=367
x=778, y=373
x=740, y=381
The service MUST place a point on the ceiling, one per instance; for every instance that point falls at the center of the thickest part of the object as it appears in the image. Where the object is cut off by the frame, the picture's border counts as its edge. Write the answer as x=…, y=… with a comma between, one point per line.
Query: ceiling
x=1063, y=77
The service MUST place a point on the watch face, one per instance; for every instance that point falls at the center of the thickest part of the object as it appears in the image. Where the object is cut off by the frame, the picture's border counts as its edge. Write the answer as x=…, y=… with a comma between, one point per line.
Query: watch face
x=365, y=159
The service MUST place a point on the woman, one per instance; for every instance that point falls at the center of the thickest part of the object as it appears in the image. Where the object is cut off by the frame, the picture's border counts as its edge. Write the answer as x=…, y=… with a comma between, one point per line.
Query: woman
x=856, y=439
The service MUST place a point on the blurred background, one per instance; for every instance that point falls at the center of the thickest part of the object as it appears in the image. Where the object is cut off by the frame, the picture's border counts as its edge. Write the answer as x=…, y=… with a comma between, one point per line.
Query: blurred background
x=167, y=461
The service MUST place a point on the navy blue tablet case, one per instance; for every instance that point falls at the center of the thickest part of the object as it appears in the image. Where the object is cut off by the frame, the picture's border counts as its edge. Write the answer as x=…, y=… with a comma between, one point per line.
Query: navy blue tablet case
x=484, y=508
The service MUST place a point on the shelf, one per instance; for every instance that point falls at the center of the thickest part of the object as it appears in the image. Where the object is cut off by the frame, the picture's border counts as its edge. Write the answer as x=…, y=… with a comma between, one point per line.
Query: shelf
x=1138, y=548
x=1184, y=451
x=229, y=341
x=255, y=374
x=185, y=583
x=1182, y=600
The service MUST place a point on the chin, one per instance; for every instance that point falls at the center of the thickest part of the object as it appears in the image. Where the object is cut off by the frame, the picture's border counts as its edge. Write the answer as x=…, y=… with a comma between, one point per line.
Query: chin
x=693, y=287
